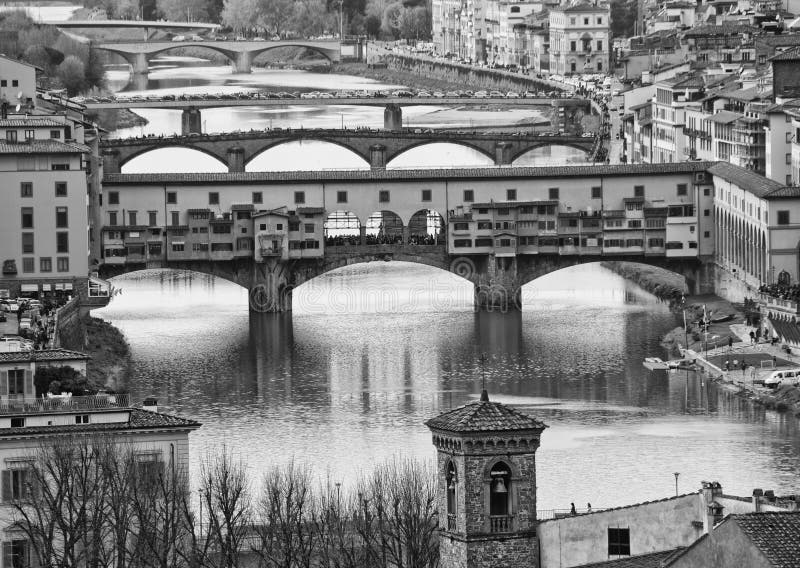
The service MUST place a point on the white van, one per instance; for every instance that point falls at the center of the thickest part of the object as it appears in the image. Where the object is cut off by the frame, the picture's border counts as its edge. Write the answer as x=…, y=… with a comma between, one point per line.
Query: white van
x=784, y=377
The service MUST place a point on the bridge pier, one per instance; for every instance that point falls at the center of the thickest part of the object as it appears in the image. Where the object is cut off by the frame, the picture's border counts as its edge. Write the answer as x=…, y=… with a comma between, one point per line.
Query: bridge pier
x=139, y=62
x=191, y=121
x=236, y=159
x=502, y=154
x=243, y=62
x=393, y=117
x=270, y=291
x=377, y=156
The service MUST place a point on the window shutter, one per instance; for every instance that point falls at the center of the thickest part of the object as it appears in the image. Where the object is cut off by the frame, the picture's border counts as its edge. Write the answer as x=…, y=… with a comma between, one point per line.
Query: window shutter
x=8, y=554
x=7, y=495
x=28, y=383
x=3, y=383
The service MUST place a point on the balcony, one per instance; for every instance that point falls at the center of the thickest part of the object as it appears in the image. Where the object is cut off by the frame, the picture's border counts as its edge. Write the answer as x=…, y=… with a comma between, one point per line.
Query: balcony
x=55, y=404
x=501, y=523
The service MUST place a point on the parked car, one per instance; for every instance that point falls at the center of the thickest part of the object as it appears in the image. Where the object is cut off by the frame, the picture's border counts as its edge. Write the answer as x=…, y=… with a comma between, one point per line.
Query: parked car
x=179, y=38
x=784, y=377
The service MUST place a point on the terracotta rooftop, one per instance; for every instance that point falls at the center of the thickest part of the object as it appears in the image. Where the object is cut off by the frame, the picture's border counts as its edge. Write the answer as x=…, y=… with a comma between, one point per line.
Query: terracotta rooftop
x=788, y=192
x=726, y=28
x=484, y=416
x=30, y=122
x=756, y=184
x=506, y=172
x=43, y=355
x=776, y=535
x=788, y=55
x=652, y=560
x=139, y=420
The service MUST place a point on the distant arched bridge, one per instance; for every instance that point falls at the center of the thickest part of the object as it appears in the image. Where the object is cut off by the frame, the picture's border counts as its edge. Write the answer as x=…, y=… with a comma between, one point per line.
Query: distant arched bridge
x=240, y=53
x=375, y=147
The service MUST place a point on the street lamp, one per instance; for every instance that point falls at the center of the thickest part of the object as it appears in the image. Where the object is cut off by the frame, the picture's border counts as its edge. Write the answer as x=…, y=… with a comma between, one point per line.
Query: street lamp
x=341, y=20
x=676, y=474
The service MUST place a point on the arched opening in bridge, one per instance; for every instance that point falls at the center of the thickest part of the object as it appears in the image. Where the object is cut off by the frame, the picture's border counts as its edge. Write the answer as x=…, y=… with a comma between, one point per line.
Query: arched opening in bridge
x=440, y=155
x=173, y=160
x=298, y=155
x=425, y=227
x=555, y=155
x=384, y=227
x=342, y=228
x=292, y=55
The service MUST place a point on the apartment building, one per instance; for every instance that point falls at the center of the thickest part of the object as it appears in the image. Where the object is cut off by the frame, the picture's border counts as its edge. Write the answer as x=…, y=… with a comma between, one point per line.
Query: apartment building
x=580, y=39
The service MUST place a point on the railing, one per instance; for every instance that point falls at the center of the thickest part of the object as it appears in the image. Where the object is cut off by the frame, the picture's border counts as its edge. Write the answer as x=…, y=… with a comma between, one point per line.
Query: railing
x=501, y=523
x=548, y=514
x=773, y=302
x=31, y=405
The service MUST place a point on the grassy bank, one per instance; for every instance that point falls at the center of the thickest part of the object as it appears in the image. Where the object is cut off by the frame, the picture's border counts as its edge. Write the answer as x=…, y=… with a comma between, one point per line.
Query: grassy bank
x=395, y=77
x=114, y=119
x=109, y=352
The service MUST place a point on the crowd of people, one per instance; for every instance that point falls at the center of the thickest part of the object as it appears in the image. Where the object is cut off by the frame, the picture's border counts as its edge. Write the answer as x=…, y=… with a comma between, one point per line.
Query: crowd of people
x=782, y=291
x=380, y=239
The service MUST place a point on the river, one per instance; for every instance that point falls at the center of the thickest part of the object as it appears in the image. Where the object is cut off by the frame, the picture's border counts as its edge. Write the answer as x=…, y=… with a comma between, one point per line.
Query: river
x=372, y=351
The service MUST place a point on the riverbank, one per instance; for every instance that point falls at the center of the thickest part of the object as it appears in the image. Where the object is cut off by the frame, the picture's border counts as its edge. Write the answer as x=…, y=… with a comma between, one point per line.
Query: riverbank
x=395, y=77
x=663, y=284
x=114, y=119
x=109, y=352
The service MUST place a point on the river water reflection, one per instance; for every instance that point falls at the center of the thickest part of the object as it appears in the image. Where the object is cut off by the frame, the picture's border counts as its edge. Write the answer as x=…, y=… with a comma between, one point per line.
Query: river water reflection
x=371, y=351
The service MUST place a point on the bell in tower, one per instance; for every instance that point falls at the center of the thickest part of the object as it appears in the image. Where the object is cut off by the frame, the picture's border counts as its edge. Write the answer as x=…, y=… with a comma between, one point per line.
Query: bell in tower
x=486, y=463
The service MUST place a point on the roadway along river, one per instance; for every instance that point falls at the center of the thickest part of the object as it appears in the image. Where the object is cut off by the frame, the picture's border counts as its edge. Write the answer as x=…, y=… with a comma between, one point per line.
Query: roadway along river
x=373, y=350
x=174, y=75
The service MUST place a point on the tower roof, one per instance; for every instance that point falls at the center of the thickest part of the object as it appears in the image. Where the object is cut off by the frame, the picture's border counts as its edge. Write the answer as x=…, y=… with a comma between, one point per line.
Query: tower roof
x=484, y=416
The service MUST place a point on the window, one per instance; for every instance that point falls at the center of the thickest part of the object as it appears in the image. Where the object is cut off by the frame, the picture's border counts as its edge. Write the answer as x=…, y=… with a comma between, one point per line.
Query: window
x=82, y=419
x=15, y=552
x=62, y=219
x=599, y=21
x=29, y=135
x=599, y=45
x=55, y=134
x=788, y=158
x=213, y=198
x=572, y=21
x=178, y=247
x=17, y=422
x=62, y=264
x=465, y=226
x=3, y=83
x=597, y=193
x=655, y=243
x=706, y=234
x=175, y=218
x=27, y=217
x=27, y=243
x=258, y=197
x=132, y=218
x=426, y=195
x=59, y=167
x=309, y=227
x=553, y=193
x=26, y=189
x=149, y=466
x=511, y=194
x=462, y=243
x=62, y=241
x=299, y=196
x=113, y=197
x=789, y=137
x=619, y=542
x=383, y=196
x=586, y=21
x=783, y=217
x=341, y=197
x=16, y=382
x=14, y=83
x=112, y=218
x=482, y=225
x=28, y=264
x=294, y=226
x=682, y=189
x=499, y=490
x=638, y=191
x=15, y=480
x=11, y=135
x=172, y=198
x=484, y=242
x=151, y=218
x=572, y=46
x=469, y=195
x=451, y=478
x=45, y=264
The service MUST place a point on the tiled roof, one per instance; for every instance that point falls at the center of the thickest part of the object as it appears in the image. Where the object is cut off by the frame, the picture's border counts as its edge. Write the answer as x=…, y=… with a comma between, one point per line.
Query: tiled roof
x=725, y=117
x=779, y=40
x=621, y=507
x=309, y=210
x=756, y=184
x=788, y=55
x=506, y=172
x=788, y=192
x=641, y=105
x=582, y=8
x=44, y=355
x=652, y=560
x=484, y=416
x=726, y=28
x=139, y=420
x=30, y=122
x=776, y=535
x=42, y=147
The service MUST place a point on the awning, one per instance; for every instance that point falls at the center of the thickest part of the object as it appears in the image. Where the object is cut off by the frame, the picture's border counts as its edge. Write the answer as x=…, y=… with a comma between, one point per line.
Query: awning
x=30, y=287
x=46, y=287
x=725, y=117
x=787, y=331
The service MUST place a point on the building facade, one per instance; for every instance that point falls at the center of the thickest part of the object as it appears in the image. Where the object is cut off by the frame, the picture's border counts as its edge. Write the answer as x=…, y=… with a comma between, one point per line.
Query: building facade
x=580, y=39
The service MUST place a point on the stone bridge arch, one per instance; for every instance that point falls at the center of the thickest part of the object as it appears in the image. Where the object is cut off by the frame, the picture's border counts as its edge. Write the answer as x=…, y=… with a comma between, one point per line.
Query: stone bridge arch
x=252, y=151
x=586, y=148
x=237, y=272
x=392, y=153
x=202, y=148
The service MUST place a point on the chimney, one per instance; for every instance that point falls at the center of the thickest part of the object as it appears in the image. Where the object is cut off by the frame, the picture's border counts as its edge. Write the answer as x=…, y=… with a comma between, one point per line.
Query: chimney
x=150, y=404
x=708, y=492
x=769, y=495
x=757, y=496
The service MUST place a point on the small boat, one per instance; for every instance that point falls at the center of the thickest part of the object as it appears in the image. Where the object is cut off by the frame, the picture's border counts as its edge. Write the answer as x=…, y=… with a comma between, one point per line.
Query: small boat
x=722, y=319
x=655, y=364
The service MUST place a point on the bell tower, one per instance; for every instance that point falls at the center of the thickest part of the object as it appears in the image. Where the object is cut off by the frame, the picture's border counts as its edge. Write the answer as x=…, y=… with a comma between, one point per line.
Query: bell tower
x=486, y=472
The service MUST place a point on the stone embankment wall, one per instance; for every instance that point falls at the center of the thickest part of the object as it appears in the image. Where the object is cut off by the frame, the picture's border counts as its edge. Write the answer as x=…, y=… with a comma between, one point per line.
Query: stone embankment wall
x=662, y=284
x=467, y=75
x=69, y=333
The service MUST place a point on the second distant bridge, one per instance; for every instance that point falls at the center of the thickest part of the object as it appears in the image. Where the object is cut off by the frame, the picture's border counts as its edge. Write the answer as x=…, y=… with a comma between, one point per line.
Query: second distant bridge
x=376, y=147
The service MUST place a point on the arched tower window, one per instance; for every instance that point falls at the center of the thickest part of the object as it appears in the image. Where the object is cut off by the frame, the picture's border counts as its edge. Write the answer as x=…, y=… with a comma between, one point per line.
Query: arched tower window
x=452, y=479
x=500, y=490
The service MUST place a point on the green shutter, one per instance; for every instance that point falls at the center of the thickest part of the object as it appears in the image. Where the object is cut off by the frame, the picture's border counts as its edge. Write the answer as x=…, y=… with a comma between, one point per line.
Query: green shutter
x=3, y=383
x=28, y=383
x=7, y=494
x=8, y=554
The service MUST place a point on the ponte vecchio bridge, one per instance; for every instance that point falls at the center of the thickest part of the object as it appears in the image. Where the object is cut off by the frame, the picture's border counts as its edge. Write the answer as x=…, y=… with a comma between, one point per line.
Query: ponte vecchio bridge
x=375, y=147
x=497, y=227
